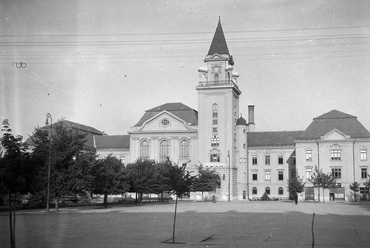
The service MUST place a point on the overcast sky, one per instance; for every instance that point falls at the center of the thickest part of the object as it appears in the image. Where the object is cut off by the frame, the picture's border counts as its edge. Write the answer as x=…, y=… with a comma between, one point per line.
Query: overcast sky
x=103, y=63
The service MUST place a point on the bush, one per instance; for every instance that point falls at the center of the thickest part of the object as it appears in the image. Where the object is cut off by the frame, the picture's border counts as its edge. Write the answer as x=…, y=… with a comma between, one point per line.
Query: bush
x=265, y=197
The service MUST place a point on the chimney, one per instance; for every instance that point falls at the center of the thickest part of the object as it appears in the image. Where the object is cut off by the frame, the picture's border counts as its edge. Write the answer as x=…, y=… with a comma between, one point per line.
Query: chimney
x=251, y=125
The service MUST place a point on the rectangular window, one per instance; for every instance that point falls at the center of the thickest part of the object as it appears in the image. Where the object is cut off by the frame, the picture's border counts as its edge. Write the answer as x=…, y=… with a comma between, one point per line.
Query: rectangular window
x=267, y=159
x=336, y=172
x=280, y=175
x=308, y=155
x=214, y=121
x=363, y=154
x=364, y=173
x=214, y=129
x=215, y=141
x=280, y=159
x=335, y=154
x=240, y=160
x=267, y=175
x=254, y=160
x=308, y=173
x=254, y=176
x=214, y=114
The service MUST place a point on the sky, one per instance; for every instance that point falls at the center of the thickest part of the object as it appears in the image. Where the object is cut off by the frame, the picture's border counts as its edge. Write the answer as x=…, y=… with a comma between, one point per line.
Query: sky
x=103, y=63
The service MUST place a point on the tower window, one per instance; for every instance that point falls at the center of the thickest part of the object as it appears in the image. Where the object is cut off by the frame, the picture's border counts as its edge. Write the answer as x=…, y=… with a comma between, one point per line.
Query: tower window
x=215, y=141
x=215, y=157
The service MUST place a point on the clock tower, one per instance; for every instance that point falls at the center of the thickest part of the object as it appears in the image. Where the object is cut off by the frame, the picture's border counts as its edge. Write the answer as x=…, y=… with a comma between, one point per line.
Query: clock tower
x=218, y=111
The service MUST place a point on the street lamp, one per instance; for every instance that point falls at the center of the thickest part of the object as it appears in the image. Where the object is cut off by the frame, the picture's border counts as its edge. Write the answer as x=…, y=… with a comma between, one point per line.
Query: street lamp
x=49, y=165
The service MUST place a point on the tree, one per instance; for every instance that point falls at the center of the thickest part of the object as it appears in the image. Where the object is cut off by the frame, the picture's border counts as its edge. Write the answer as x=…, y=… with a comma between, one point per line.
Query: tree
x=206, y=180
x=322, y=180
x=17, y=173
x=295, y=184
x=160, y=185
x=66, y=149
x=141, y=175
x=109, y=177
x=180, y=182
x=367, y=188
x=355, y=187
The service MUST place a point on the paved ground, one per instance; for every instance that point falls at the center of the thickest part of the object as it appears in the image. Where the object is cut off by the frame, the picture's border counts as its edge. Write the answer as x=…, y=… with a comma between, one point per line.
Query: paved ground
x=198, y=224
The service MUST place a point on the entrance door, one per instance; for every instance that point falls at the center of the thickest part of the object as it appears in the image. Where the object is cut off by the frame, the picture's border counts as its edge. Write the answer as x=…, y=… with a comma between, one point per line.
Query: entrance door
x=309, y=193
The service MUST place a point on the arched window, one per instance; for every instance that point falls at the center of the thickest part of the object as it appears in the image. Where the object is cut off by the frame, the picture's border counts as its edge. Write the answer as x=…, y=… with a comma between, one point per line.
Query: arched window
x=281, y=191
x=164, y=150
x=254, y=191
x=184, y=149
x=144, y=149
x=267, y=190
x=216, y=78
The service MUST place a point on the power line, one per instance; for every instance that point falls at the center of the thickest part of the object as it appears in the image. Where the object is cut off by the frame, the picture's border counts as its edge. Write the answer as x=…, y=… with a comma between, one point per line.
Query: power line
x=187, y=33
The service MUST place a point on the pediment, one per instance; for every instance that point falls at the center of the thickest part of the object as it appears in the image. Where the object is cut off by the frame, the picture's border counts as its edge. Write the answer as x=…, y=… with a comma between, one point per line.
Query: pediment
x=216, y=56
x=335, y=134
x=163, y=122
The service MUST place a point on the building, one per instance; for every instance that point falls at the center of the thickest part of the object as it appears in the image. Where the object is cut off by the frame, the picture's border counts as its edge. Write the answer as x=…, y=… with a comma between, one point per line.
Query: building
x=248, y=163
x=337, y=143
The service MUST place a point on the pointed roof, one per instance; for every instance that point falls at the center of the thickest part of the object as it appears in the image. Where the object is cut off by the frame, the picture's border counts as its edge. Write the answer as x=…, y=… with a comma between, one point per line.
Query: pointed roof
x=218, y=44
x=189, y=115
x=345, y=123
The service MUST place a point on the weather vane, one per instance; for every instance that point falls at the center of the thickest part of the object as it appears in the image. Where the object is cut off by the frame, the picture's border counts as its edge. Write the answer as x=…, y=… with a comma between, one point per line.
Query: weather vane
x=20, y=64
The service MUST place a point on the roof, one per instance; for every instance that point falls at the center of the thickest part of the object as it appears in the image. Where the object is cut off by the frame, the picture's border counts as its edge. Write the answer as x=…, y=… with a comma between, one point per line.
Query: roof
x=74, y=125
x=283, y=138
x=241, y=121
x=345, y=123
x=89, y=144
x=112, y=142
x=218, y=44
x=189, y=115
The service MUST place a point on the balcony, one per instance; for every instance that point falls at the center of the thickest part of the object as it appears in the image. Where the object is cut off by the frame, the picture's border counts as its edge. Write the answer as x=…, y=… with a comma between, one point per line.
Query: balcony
x=220, y=83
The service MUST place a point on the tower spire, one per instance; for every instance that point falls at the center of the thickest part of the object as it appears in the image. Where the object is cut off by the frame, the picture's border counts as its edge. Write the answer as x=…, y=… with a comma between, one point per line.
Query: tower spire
x=218, y=44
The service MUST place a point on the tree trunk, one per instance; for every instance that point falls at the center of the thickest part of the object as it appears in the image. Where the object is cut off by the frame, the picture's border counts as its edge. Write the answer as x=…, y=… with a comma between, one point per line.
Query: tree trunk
x=174, y=223
x=106, y=200
x=202, y=195
x=12, y=236
x=14, y=208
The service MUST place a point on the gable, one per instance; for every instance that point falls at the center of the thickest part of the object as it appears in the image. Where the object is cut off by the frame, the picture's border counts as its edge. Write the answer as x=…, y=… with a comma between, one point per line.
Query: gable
x=165, y=122
x=335, y=135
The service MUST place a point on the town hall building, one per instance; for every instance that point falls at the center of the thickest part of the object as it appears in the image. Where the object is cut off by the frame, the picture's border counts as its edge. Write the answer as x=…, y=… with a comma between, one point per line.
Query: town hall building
x=248, y=163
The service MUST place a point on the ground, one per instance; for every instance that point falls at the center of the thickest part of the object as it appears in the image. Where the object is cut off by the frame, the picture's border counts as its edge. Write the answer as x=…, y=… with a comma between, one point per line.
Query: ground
x=198, y=224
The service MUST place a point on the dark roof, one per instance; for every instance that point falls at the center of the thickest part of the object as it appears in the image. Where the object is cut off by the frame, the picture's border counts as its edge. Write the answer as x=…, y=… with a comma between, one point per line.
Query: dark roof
x=284, y=138
x=218, y=44
x=241, y=121
x=77, y=126
x=345, y=123
x=112, y=142
x=89, y=144
x=189, y=115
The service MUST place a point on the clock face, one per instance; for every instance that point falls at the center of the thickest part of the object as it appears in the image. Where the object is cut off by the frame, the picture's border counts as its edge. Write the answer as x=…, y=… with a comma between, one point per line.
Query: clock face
x=216, y=69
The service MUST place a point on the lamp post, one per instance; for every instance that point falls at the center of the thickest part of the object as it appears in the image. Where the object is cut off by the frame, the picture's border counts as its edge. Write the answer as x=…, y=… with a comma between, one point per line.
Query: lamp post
x=228, y=154
x=48, y=115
